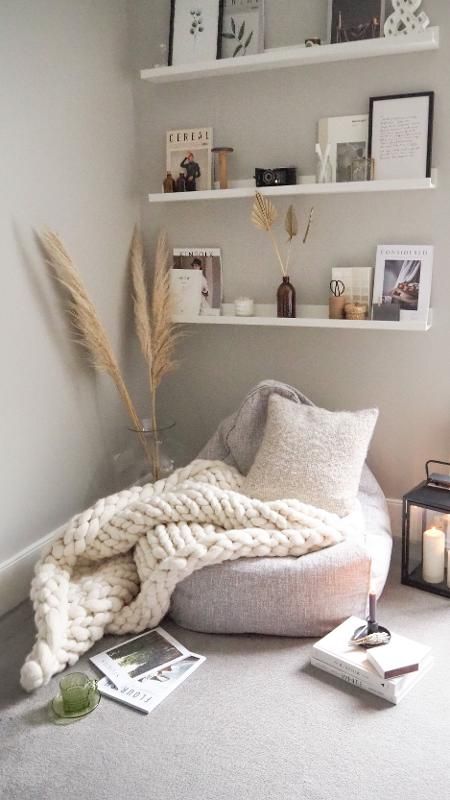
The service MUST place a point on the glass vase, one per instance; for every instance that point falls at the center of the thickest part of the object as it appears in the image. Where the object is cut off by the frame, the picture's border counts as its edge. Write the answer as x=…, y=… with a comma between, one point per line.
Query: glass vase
x=146, y=457
x=286, y=302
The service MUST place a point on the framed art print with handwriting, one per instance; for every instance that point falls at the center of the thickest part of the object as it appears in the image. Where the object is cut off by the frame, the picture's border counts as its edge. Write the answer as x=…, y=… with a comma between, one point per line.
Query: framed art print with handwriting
x=401, y=135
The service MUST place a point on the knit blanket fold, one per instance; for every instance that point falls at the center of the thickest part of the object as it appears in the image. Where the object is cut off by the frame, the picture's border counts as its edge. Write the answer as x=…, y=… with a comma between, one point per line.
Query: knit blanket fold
x=115, y=566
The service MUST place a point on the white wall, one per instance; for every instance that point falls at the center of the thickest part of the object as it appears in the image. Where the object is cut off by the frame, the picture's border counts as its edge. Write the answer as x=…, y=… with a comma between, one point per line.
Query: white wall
x=67, y=162
x=270, y=118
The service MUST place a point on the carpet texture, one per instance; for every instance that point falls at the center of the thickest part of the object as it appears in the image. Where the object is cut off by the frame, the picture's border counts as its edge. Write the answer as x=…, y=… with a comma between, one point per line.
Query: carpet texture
x=254, y=721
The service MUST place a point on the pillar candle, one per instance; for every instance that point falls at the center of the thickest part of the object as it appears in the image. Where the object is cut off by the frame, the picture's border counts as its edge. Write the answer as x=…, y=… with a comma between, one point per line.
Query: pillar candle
x=433, y=564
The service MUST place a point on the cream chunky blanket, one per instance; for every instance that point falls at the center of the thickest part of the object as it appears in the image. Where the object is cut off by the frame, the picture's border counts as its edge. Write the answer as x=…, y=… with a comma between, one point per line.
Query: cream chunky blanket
x=116, y=565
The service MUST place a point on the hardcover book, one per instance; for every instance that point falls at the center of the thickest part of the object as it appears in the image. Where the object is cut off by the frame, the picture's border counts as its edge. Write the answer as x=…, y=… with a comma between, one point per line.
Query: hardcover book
x=208, y=262
x=335, y=653
x=347, y=137
x=188, y=153
x=400, y=657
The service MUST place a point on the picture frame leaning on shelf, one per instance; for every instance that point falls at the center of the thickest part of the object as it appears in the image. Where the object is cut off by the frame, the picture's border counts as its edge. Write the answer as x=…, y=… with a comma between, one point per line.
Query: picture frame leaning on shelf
x=353, y=20
x=242, y=28
x=401, y=135
x=195, y=31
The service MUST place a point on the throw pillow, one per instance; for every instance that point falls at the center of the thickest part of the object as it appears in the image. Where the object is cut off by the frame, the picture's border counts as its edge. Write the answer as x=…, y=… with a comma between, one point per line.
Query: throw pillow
x=311, y=454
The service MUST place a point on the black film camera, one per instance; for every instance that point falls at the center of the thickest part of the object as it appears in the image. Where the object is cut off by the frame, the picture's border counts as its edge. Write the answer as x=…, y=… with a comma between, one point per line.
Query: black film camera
x=281, y=176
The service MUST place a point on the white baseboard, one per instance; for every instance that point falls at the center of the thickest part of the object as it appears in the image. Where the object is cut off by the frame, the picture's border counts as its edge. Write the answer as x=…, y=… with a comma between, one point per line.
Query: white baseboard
x=16, y=573
x=395, y=513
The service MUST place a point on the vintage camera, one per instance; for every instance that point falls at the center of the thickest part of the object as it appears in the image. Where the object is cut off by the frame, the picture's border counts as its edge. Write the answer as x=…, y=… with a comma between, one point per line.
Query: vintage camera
x=281, y=176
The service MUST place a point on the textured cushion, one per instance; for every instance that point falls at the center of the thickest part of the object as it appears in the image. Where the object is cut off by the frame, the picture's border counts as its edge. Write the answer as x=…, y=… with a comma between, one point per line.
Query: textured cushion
x=305, y=596
x=311, y=454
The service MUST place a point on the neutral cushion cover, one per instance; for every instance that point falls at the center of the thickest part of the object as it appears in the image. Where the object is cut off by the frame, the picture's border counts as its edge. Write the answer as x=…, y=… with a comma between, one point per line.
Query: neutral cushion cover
x=311, y=454
x=306, y=596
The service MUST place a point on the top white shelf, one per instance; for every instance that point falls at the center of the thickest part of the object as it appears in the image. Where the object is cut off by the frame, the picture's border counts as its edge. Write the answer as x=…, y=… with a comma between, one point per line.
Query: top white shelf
x=299, y=55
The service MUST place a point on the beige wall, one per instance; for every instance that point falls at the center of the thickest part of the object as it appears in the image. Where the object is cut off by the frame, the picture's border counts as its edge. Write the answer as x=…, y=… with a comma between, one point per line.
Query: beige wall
x=67, y=161
x=270, y=118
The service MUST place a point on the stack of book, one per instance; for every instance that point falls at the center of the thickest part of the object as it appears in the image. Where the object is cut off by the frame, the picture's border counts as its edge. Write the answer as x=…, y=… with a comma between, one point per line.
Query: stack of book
x=389, y=671
x=141, y=672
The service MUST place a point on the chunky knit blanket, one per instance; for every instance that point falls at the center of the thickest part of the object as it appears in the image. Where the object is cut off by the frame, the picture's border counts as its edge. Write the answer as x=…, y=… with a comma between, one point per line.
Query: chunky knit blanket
x=114, y=568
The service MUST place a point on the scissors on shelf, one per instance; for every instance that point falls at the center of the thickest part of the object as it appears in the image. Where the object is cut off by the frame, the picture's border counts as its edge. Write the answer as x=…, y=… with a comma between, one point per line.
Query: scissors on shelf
x=337, y=288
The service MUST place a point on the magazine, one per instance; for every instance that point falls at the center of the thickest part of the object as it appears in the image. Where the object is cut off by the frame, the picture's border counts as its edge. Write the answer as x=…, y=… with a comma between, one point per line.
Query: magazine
x=188, y=152
x=152, y=689
x=139, y=656
x=186, y=290
x=208, y=260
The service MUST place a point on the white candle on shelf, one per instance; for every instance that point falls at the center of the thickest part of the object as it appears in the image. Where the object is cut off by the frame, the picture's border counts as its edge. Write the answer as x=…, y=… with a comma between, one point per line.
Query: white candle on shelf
x=433, y=563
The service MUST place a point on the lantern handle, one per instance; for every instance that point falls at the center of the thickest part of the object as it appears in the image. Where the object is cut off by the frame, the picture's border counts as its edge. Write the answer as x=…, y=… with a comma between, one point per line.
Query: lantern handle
x=433, y=477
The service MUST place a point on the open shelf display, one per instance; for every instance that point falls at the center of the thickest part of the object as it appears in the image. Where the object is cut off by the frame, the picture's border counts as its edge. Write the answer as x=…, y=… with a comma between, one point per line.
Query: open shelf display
x=311, y=316
x=237, y=193
x=282, y=57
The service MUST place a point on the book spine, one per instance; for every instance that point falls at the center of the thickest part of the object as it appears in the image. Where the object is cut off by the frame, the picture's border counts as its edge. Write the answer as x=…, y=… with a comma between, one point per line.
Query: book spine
x=353, y=680
x=352, y=671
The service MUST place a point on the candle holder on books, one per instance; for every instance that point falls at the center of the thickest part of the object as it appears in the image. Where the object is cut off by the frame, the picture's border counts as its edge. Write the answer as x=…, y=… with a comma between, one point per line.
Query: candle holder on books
x=426, y=531
x=372, y=634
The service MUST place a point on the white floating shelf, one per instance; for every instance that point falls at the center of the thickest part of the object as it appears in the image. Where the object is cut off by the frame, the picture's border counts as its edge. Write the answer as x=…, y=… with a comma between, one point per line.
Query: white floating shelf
x=353, y=187
x=299, y=55
x=308, y=317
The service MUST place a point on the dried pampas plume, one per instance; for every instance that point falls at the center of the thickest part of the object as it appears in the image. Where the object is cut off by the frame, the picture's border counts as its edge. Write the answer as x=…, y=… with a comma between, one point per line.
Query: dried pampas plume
x=91, y=333
x=153, y=320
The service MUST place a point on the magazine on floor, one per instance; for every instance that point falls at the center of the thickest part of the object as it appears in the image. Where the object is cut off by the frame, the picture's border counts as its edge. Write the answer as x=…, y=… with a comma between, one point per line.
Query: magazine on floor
x=144, y=670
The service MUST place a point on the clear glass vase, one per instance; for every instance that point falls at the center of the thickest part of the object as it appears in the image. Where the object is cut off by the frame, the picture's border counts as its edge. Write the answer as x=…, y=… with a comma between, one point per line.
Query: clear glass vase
x=146, y=457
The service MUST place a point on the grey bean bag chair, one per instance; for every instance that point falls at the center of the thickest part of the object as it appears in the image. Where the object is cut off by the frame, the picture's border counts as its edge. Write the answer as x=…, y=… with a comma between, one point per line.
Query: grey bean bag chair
x=305, y=596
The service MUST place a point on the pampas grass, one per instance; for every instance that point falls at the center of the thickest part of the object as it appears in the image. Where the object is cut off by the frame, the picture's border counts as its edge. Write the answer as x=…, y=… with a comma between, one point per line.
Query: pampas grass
x=153, y=319
x=154, y=326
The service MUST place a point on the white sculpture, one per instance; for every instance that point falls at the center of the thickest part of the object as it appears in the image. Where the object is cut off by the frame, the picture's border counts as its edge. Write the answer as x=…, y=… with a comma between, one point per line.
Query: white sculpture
x=404, y=19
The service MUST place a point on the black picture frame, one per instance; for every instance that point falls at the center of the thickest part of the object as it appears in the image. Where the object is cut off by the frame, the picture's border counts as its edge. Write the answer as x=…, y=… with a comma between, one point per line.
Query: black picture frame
x=397, y=98
x=172, y=28
x=357, y=16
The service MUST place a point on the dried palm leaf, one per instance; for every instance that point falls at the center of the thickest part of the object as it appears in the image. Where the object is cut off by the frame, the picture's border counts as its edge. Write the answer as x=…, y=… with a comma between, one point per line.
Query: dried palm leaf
x=308, y=227
x=263, y=216
x=291, y=223
x=264, y=213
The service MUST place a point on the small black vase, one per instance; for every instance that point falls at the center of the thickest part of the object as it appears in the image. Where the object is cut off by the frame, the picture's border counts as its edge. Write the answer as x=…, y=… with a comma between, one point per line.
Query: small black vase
x=286, y=299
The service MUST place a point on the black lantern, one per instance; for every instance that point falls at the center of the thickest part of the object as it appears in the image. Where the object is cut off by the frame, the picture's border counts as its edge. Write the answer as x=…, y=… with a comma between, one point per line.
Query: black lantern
x=426, y=533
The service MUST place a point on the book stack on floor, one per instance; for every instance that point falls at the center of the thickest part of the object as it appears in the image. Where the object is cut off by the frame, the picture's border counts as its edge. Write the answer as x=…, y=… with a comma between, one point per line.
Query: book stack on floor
x=141, y=672
x=389, y=671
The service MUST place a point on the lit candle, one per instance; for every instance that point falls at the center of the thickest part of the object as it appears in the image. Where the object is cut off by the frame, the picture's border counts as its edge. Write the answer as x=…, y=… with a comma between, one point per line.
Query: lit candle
x=433, y=564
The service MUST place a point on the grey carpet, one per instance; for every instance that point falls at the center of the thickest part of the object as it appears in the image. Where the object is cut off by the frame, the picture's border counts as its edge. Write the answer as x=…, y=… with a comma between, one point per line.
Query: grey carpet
x=255, y=721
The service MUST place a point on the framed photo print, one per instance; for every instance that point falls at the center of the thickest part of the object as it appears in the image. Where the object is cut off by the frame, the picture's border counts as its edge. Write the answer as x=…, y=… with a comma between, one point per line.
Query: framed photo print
x=401, y=135
x=403, y=276
x=352, y=20
x=242, y=28
x=195, y=31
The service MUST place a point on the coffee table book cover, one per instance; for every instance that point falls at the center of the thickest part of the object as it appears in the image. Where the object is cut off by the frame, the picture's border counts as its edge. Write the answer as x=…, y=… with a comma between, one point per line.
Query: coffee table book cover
x=335, y=654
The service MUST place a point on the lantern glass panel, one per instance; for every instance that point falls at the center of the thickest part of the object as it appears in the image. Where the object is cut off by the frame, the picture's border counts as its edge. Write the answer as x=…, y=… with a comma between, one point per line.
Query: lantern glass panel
x=428, y=546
